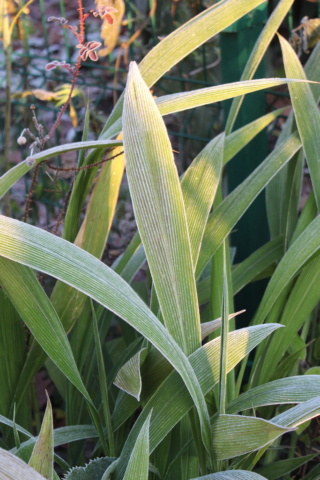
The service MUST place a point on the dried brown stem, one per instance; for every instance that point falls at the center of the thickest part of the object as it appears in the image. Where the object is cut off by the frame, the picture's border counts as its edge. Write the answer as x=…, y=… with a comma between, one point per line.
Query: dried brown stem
x=85, y=167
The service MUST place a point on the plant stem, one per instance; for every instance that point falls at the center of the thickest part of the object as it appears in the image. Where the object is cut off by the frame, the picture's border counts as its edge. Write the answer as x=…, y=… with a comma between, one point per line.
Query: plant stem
x=7, y=114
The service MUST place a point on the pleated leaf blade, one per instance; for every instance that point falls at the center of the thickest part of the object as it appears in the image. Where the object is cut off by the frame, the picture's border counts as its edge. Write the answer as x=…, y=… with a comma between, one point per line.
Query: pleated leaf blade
x=159, y=212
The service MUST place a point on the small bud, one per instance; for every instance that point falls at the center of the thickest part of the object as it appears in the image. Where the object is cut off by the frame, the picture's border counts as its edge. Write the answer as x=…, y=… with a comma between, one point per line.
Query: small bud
x=21, y=140
x=30, y=161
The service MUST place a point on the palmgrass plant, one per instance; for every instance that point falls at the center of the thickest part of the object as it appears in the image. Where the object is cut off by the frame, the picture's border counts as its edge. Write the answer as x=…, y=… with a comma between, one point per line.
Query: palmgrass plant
x=168, y=399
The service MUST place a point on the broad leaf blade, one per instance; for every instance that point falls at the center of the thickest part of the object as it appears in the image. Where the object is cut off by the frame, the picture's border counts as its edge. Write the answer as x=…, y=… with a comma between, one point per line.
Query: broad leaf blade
x=161, y=218
x=159, y=212
x=235, y=435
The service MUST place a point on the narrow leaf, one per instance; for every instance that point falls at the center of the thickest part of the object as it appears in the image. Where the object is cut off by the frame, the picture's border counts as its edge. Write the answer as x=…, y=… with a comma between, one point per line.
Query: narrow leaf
x=273, y=23
x=39, y=315
x=283, y=467
x=226, y=215
x=199, y=185
x=299, y=414
x=299, y=252
x=178, y=102
x=286, y=390
x=138, y=465
x=306, y=114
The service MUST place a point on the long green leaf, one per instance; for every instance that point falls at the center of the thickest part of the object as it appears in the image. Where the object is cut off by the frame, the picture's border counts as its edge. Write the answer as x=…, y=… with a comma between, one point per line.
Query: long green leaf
x=160, y=215
x=159, y=212
x=226, y=215
x=286, y=390
x=235, y=435
x=37, y=312
x=178, y=102
x=277, y=190
x=199, y=185
x=278, y=469
x=299, y=414
x=138, y=465
x=306, y=114
x=303, y=298
x=45, y=252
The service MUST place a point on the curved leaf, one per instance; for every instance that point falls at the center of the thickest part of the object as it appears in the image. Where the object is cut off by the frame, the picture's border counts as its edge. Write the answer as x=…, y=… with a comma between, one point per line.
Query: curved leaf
x=306, y=114
x=299, y=414
x=159, y=212
x=235, y=435
x=138, y=465
x=45, y=252
x=296, y=389
x=273, y=23
x=299, y=252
